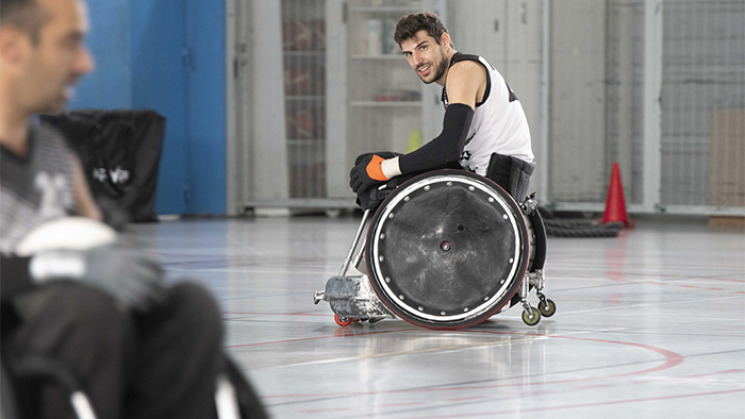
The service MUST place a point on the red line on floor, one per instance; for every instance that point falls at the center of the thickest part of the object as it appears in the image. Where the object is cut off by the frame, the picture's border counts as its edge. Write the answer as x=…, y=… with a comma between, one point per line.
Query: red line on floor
x=671, y=359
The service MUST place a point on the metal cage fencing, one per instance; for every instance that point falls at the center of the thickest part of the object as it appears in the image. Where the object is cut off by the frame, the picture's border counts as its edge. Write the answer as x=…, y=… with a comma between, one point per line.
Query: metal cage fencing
x=655, y=85
x=673, y=105
x=703, y=103
x=304, y=81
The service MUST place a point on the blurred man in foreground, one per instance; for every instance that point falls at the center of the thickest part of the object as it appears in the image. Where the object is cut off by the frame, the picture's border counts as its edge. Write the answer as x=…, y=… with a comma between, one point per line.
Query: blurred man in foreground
x=140, y=348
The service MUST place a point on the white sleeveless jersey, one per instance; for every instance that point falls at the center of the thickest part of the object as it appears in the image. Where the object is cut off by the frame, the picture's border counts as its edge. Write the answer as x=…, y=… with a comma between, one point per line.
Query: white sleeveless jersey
x=499, y=124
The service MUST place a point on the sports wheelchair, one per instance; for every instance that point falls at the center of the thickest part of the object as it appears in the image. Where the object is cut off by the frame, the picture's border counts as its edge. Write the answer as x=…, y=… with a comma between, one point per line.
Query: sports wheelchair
x=446, y=249
x=22, y=375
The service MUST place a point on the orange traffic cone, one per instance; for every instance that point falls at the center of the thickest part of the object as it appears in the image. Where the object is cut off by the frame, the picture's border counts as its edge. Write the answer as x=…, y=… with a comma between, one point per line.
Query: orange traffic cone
x=615, y=205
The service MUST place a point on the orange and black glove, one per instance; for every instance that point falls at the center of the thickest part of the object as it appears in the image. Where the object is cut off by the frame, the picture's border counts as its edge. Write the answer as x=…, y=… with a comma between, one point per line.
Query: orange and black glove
x=368, y=170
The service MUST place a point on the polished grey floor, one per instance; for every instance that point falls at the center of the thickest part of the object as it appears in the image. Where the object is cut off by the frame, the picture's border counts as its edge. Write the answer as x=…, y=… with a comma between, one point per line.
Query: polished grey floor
x=650, y=324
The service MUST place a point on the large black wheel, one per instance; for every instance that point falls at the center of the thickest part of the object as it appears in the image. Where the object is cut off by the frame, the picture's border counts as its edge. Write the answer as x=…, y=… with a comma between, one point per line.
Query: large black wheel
x=447, y=249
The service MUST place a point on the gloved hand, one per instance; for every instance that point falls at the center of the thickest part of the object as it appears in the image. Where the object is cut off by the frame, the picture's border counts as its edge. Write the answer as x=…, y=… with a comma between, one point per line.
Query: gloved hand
x=368, y=170
x=367, y=173
x=130, y=276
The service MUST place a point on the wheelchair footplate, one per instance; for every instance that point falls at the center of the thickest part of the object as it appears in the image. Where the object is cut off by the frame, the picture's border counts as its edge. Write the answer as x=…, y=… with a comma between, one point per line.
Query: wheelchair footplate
x=352, y=299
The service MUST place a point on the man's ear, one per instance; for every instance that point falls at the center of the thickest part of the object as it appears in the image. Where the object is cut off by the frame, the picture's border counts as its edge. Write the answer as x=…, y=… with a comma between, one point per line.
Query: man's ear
x=445, y=39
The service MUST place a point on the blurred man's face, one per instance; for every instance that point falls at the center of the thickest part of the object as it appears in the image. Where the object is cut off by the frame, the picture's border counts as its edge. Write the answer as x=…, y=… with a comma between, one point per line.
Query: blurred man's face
x=55, y=63
x=428, y=58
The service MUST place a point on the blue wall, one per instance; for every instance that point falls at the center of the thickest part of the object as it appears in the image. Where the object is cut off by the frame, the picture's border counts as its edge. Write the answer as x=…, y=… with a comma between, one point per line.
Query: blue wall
x=159, y=82
x=206, y=100
x=169, y=56
x=109, y=86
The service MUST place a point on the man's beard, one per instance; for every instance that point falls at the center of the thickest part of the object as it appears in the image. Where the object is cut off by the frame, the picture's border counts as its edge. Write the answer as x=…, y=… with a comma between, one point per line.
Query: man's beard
x=440, y=70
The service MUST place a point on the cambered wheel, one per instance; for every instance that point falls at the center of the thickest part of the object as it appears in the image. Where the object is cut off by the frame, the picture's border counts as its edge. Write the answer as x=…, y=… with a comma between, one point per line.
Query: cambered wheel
x=447, y=250
x=531, y=318
x=547, y=307
x=342, y=321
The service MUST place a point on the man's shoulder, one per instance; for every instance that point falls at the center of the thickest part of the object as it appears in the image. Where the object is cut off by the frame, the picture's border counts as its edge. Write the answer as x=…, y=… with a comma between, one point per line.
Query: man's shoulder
x=46, y=131
x=467, y=63
x=48, y=137
x=466, y=67
x=462, y=56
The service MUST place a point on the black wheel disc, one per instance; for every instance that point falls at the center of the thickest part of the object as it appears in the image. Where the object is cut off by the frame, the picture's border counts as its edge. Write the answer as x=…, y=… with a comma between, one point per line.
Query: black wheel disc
x=447, y=249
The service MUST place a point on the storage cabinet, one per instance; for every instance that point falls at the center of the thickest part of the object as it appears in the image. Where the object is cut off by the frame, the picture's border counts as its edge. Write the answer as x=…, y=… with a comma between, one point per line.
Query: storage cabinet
x=386, y=105
x=304, y=82
x=384, y=93
x=340, y=87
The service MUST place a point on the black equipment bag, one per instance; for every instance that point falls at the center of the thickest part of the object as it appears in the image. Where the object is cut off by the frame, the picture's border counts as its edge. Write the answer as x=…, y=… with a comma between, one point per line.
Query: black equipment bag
x=120, y=152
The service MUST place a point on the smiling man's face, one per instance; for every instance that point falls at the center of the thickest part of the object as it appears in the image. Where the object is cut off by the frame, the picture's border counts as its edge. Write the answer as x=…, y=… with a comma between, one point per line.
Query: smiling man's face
x=427, y=57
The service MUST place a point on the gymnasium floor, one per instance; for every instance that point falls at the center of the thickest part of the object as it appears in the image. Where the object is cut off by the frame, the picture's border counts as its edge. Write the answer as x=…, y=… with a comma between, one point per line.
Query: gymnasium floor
x=650, y=324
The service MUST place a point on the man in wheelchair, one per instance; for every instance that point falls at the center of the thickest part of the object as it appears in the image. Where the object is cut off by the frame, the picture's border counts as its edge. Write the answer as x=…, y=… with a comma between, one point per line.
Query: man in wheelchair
x=448, y=249
x=80, y=308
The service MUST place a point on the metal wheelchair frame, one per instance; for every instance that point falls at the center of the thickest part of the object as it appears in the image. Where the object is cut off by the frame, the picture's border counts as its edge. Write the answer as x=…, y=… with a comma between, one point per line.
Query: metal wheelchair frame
x=352, y=298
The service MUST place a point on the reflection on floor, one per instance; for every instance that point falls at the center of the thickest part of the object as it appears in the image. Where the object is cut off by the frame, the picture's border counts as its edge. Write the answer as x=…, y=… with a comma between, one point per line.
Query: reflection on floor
x=649, y=324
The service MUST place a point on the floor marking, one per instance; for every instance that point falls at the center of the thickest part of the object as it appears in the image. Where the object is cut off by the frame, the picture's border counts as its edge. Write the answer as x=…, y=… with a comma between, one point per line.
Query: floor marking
x=671, y=359
x=584, y=405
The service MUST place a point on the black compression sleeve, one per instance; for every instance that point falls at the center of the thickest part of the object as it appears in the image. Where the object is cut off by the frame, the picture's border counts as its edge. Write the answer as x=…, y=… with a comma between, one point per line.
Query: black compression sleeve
x=446, y=148
x=14, y=276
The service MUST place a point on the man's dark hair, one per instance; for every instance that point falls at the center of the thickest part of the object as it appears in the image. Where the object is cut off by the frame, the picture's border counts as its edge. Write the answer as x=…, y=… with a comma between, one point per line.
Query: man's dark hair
x=410, y=24
x=26, y=15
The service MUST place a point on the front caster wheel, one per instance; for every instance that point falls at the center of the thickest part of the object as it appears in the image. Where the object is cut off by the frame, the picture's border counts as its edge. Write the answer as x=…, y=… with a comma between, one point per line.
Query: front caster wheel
x=547, y=307
x=342, y=321
x=532, y=317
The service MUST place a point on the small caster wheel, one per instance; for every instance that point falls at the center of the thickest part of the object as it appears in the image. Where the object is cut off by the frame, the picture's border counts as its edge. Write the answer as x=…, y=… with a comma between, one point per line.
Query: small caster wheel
x=342, y=321
x=547, y=307
x=532, y=317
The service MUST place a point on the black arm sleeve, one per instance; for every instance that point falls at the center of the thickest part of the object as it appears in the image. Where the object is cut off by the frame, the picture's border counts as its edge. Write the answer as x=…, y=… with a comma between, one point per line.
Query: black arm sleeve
x=446, y=148
x=14, y=276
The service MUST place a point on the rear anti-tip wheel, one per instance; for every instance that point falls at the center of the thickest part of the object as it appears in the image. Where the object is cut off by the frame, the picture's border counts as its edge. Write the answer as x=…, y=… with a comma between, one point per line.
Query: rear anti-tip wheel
x=532, y=317
x=342, y=321
x=547, y=307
